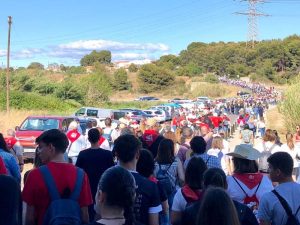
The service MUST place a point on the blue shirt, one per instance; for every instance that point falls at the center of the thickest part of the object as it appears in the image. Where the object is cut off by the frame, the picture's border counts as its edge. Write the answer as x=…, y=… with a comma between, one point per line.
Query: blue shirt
x=11, y=164
x=210, y=161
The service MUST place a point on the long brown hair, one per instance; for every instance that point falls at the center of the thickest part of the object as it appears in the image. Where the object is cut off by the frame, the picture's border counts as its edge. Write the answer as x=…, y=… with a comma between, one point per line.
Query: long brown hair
x=165, y=153
x=269, y=136
x=213, y=213
x=217, y=143
x=244, y=165
x=290, y=141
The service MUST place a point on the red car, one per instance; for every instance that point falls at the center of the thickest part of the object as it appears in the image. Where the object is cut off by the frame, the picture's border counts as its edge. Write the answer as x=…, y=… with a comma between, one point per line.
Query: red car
x=33, y=126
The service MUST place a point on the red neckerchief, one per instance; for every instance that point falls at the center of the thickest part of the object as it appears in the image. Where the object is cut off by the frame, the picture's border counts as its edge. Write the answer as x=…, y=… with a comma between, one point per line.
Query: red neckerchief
x=73, y=135
x=101, y=140
x=190, y=195
x=10, y=142
x=150, y=137
x=153, y=179
x=251, y=180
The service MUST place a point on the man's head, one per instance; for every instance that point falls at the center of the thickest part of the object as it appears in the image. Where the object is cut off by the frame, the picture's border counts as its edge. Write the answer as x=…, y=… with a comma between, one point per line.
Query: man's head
x=280, y=166
x=204, y=130
x=127, y=148
x=198, y=145
x=11, y=133
x=51, y=143
x=94, y=135
x=107, y=122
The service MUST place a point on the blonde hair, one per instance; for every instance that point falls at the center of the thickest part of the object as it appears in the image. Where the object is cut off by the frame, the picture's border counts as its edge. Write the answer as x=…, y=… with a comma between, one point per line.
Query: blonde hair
x=217, y=143
x=290, y=141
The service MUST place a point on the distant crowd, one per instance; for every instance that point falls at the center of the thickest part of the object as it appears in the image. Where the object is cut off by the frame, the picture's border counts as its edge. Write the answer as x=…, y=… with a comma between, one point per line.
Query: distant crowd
x=181, y=171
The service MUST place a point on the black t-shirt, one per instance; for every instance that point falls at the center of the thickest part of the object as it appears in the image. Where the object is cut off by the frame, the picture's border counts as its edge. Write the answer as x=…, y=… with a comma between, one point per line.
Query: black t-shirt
x=94, y=162
x=246, y=216
x=147, y=199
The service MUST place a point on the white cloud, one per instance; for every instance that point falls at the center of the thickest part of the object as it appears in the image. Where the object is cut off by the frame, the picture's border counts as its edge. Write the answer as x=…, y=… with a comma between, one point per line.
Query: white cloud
x=77, y=49
x=2, y=52
x=113, y=46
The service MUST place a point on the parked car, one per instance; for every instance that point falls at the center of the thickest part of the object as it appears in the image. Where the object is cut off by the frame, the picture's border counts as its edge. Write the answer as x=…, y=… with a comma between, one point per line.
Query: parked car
x=165, y=109
x=34, y=126
x=99, y=113
x=204, y=99
x=146, y=98
x=180, y=100
x=159, y=114
x=136, y=114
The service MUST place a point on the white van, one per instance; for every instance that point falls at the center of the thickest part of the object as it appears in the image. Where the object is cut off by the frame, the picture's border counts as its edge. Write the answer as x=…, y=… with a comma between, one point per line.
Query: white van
x=100, y=113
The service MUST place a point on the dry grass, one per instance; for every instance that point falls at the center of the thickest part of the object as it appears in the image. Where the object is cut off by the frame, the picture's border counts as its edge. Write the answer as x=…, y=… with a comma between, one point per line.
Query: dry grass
x=275, y=121
x=15, y=118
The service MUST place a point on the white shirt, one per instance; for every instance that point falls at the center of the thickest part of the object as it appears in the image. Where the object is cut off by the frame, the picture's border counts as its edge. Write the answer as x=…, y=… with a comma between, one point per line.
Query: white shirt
x=179, y=202
x=235, y=192
x=224, y=157
x=292, y=152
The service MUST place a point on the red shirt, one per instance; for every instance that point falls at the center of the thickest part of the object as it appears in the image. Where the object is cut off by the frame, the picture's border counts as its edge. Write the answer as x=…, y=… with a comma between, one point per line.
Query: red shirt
x=35, y=192
x=2, y=167
x=216, y=120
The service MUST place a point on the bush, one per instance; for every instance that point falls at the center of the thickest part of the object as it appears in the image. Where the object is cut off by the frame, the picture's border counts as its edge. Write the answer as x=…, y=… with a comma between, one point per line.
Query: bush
x=121, y=80
x=153, y=78
x=211, y=78
x=290, y=106
x=133, y=68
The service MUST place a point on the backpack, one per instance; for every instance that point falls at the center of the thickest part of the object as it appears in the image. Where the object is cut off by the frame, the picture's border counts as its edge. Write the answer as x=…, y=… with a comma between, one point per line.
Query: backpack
x=164, y=179
x=246, y=136
x=62, y=211
x=292, y=219
x=250, y=201
x=263, y=159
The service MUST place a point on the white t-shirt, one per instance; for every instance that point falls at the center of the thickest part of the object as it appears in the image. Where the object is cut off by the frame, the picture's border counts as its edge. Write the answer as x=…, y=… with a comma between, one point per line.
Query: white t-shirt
x=179, y=202
x=292, y=152
x=268, y=145
x=237, y=194
x=271, y=210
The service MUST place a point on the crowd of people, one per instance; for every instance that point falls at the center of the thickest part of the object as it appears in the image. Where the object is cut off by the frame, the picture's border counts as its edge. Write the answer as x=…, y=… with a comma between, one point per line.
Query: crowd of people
x=178, y=172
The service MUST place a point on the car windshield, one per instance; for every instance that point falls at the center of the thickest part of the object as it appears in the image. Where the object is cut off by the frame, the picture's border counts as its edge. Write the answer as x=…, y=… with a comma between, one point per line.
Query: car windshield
x=40, y=124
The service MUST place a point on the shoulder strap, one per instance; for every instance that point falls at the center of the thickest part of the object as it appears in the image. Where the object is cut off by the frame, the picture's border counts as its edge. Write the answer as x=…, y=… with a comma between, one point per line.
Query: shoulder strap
x=284, y=204
x=78, y=185
x=207, y=159
x=165, y=171
x=273, y=146
x=241, y=186
x=50, y=183
x=258, y=185
x=69, y=148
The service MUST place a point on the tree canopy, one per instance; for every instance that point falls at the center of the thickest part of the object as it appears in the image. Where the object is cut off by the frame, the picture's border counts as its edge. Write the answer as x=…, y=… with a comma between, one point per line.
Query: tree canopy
x=103, y=57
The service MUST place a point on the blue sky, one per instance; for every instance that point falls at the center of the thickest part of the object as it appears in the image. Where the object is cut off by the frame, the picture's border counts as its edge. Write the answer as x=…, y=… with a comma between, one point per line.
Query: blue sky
x=62, y=31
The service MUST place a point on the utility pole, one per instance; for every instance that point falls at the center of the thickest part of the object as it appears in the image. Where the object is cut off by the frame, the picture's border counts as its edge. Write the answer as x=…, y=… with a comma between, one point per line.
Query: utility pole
x=7, y=66
x=253, y=14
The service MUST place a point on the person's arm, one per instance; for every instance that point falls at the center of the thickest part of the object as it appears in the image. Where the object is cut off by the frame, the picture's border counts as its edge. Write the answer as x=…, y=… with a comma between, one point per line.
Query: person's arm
x=29, y=215
x=153, y=219
x=176, y=217
x=165, y=206
x=180, y=172
x=85, y=215
x=262, y=222
x=14, y=169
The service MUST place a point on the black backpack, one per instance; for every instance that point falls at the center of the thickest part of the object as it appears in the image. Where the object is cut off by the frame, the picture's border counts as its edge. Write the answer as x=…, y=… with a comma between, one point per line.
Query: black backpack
x=292, y=219
x=263, y=159
x=163, y=177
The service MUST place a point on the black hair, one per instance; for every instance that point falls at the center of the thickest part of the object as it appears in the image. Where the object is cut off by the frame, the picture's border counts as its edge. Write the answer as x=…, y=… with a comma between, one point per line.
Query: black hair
x=282, y=161
x=246, y=127
x=244, y=165
x=198, y=144
x=194, y=173
x=165, y=153
x=126, y=147
x=214, y=177
x=119, y=186
x=94, y=135
x=3, y=144
x=55, y=137
x=145, y=164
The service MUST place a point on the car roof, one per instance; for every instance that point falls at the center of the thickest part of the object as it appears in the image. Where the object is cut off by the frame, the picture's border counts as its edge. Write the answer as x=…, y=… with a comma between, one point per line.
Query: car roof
x=51, y=117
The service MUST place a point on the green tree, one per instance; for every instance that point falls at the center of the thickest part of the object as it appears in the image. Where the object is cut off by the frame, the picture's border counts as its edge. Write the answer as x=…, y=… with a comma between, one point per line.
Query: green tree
x=132, y=68
x=121, y=80
x=36, y=66
x=153, y=78
x=103, y=57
